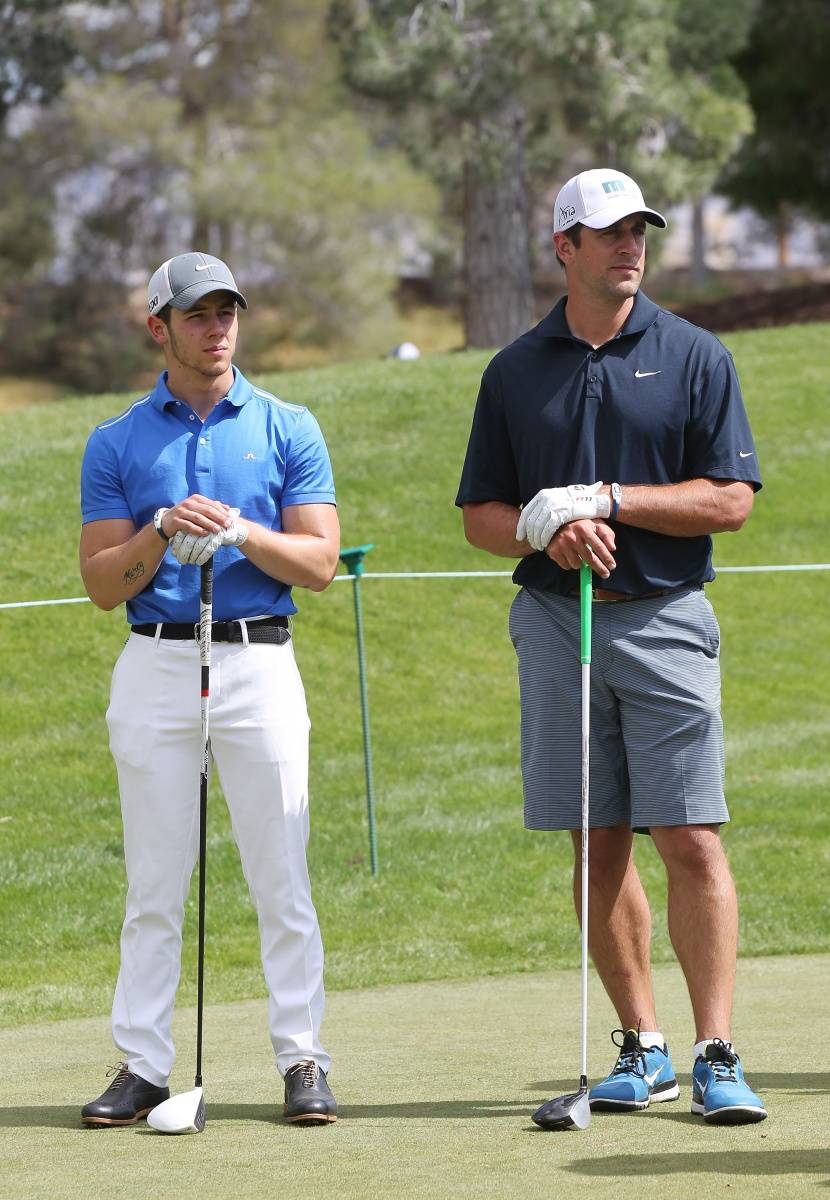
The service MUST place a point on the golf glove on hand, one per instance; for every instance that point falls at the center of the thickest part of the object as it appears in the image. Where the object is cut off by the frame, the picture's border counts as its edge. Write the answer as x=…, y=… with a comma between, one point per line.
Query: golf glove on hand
x=552, y=508
x=235, y=534
x=190, y=548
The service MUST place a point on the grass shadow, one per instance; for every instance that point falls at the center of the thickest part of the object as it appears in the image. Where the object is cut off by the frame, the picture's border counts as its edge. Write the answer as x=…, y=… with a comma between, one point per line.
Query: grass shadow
x=63, y=1116
x=726, y=1163
x=66, y=1116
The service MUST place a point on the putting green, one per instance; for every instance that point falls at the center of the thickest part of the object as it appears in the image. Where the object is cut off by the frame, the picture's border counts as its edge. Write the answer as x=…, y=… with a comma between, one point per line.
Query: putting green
x=436, y=1083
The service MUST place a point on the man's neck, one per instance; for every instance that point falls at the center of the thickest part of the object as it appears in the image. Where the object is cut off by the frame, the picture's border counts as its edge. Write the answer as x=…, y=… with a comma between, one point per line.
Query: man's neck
x=200, y=393
x=596, y=322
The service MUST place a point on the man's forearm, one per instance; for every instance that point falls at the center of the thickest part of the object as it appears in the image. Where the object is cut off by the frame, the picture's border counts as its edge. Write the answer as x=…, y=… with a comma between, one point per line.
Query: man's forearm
x=689, y=509
x=492, y=526
x=114, y=574
x=297, y=559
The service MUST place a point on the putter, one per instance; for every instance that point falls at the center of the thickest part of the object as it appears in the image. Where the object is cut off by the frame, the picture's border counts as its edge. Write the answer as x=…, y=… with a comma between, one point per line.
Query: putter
x=186, y=1113
x=573, y=1111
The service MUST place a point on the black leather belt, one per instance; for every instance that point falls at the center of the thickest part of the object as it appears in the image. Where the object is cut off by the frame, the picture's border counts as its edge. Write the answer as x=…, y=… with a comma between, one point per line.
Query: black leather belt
x=272, y=630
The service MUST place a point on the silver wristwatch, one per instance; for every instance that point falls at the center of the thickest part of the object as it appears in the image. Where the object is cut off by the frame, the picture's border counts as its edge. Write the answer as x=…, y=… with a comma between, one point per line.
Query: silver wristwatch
x=616, y=500
x=158, y=517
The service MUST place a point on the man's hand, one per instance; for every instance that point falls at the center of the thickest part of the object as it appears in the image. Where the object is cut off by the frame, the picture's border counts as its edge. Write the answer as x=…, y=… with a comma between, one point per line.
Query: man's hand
x=190, y=549
x=552, y=508
x=234, y=534
x=587, y=541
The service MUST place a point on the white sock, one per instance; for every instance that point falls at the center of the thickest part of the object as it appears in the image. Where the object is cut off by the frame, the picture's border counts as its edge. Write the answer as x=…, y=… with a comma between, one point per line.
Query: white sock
x=648, y=1040
x=699, y=1048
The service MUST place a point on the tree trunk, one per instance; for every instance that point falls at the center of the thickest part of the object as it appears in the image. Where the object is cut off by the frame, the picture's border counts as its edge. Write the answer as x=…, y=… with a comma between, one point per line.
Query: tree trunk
x=698, y=270
x=783, y=225
x=498, y=293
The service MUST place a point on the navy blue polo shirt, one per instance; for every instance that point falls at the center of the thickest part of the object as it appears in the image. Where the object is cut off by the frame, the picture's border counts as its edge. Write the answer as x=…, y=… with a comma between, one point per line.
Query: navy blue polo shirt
x=254, y=452
x=659, y=403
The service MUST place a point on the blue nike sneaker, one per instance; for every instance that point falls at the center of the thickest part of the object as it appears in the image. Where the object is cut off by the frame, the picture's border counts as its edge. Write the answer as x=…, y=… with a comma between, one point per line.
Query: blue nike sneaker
x=642, y=1076
x=720, y=1094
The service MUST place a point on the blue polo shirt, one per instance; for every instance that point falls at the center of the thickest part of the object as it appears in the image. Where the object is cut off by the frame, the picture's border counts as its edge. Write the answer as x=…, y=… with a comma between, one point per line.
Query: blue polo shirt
x=254, y=452
x=659, y=403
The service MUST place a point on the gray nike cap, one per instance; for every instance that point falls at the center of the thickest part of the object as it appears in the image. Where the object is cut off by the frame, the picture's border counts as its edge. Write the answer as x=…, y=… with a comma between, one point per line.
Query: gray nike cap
x=185, y=279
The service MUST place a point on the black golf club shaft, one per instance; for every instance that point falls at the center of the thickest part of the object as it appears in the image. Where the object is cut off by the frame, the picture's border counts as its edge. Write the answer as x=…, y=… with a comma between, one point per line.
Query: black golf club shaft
x=205, y=622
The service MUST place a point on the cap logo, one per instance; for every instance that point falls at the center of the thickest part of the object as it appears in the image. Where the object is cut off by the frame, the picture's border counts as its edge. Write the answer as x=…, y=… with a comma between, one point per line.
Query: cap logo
x=613, y=185
x=154, y=303
x=566, y=213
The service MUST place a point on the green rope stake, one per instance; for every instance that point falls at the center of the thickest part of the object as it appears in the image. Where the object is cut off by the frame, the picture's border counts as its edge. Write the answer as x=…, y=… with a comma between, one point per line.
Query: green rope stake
x=352, y=559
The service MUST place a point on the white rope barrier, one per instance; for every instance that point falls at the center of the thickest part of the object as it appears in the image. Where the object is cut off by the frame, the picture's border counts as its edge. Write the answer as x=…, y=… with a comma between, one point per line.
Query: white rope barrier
x=775, y=567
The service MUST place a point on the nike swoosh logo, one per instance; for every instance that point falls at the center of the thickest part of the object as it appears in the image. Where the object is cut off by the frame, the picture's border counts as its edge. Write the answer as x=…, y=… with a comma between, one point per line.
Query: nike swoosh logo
x=744, y=454
x=638, y=374
x=651, y=1078
x=205, y=268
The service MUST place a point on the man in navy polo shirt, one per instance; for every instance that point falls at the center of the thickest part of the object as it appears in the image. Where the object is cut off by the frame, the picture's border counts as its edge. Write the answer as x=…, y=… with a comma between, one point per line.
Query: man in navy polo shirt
x=614, y=433
x=207, y=464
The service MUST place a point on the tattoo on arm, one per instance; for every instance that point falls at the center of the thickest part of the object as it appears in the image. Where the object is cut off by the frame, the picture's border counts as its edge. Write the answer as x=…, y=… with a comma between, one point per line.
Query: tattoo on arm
x=133, y=573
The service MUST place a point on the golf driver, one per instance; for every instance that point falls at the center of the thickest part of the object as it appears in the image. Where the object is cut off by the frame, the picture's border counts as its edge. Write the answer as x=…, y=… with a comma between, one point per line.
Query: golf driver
x=573, y=1111
x=186, y=1113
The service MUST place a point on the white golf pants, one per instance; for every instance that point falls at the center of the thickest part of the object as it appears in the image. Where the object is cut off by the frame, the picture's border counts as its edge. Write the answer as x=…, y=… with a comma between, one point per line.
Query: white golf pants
x=259, y=740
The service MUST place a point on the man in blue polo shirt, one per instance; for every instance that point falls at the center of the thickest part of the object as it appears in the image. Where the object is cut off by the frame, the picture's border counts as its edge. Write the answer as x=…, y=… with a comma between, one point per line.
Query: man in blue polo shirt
x=207, y=464
x=614, y=433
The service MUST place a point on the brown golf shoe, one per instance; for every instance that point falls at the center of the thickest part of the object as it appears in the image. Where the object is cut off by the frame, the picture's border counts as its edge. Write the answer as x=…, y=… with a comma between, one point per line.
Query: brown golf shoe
x=308, y=1098
x=127, y=1099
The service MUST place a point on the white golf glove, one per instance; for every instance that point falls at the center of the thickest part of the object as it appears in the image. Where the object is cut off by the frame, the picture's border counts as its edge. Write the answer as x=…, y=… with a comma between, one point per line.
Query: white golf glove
x=235, y=534
x=552, y=508
x=191, y=549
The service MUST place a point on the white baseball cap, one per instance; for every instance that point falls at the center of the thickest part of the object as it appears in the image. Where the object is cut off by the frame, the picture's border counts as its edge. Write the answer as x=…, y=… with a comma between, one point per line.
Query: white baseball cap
x=600, y=198
x=183, y=280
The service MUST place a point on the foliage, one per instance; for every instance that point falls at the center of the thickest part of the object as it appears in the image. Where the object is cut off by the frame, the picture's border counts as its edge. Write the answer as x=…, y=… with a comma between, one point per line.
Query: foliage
x=460, y=882
x=224, y=128
x=784, y=67
x=35, y=52
x=474, y=89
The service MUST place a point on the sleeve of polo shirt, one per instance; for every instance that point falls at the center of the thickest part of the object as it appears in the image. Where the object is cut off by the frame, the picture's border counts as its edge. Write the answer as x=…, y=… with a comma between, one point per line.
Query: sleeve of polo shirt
x=489, y=471
x=308, y=474
x=102, y=489
x=719, y=443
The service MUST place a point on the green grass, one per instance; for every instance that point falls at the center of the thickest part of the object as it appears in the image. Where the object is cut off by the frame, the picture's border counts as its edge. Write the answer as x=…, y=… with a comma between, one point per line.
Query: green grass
x=435, y=1085
x=463, y=890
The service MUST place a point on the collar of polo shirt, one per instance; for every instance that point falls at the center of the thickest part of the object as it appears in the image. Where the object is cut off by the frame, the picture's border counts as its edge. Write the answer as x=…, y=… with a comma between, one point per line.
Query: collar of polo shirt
x=643, y=313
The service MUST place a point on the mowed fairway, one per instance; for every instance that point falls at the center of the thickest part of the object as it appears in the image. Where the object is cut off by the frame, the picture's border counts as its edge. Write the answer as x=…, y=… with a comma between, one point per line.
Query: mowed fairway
x=436, y=1084
x=440, y=1077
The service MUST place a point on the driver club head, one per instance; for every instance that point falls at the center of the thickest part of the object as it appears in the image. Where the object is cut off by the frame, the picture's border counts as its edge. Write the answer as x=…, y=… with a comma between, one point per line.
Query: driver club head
x=179, y=1114
x=565, y=1112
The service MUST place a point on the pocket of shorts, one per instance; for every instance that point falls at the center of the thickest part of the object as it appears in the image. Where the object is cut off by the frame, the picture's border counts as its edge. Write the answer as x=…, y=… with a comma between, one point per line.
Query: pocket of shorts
x=711, y=628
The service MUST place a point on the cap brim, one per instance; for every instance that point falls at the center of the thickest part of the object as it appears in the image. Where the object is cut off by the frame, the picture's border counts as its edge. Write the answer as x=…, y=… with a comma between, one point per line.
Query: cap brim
x=616, y=212
x=189, y=296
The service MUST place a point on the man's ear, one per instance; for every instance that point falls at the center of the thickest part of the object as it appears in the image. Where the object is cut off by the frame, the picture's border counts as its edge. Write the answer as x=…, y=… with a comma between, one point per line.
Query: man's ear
x=564, y=246
x=158, y=330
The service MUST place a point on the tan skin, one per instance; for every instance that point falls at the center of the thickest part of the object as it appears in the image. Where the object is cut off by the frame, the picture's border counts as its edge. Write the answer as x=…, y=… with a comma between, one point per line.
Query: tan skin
x=118, y=560
x=604, y=274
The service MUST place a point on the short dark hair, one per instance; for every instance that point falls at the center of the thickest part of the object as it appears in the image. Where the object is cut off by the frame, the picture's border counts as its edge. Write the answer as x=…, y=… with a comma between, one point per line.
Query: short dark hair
x=163, y=314
x=573, y=234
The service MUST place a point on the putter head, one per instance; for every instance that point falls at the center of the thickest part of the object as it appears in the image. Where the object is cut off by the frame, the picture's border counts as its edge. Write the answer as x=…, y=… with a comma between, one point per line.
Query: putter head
x=565, y=1112
x=179, y=1114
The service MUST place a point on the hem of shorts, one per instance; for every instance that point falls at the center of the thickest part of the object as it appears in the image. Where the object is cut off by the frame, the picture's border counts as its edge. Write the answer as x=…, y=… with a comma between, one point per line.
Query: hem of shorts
x=634, y=828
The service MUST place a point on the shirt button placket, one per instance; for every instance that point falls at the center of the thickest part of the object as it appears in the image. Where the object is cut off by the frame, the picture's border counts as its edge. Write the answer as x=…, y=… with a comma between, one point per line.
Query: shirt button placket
x=204, y=461
x=593, y=388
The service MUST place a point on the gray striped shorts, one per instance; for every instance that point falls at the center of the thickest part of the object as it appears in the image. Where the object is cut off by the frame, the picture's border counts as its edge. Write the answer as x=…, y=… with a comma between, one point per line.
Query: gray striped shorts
x=656, y=747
